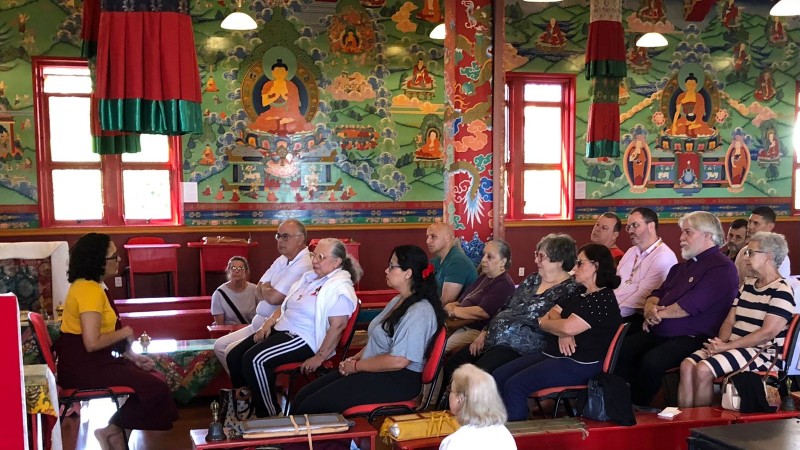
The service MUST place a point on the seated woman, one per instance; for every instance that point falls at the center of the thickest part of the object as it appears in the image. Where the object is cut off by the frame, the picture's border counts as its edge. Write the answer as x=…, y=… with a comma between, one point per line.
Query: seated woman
x=400, y=340
x=477, y=405
x=234, y=302
x=514, y=331
x=580, y=329
x=90, y=331
x=481, y=300
x=306, y=328
x=759, y=317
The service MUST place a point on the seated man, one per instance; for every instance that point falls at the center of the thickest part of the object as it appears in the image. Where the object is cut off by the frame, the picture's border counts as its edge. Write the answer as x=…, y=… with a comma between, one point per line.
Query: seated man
x=274, y=284
x=737, y=236
x=686, y=310
x=605, y=232
x=454, y=270
x=643, y=268
x=761, y=219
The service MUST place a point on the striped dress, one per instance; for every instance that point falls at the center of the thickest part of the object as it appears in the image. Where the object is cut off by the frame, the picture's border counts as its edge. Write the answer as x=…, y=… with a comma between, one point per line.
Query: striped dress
x=752, y=306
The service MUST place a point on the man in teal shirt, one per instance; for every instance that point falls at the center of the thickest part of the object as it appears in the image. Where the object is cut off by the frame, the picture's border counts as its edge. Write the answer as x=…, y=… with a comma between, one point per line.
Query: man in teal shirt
x=454, y=270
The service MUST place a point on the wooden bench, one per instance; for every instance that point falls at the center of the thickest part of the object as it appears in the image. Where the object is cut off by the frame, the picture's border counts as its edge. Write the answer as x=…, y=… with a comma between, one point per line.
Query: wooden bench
x=162, y=304
x=217, y=331
x=170, y=324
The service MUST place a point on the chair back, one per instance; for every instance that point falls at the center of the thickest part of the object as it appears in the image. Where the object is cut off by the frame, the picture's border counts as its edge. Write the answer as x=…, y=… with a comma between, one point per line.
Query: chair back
x=430, y=370
x=347, y=336
x=610, y=362
x=43, y=338
x=789, y=342
x=144, y=240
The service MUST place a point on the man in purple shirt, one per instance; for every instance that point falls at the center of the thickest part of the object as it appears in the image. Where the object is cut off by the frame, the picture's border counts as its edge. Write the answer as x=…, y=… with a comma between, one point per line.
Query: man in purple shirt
x=685, y=311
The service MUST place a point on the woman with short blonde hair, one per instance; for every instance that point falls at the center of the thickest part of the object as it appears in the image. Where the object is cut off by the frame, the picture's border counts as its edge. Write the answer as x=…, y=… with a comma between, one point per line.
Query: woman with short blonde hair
x=477, y=405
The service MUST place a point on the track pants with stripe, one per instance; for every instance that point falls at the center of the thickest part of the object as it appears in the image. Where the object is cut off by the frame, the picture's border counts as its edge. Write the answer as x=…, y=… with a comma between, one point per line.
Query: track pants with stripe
x=252, y=364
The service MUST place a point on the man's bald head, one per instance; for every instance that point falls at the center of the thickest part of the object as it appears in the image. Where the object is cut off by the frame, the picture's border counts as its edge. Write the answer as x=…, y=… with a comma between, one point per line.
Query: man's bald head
x=440, y=238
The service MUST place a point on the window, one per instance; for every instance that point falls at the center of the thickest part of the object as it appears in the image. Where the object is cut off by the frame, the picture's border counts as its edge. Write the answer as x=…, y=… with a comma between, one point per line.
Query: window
x=540, y=146
x=79, y=187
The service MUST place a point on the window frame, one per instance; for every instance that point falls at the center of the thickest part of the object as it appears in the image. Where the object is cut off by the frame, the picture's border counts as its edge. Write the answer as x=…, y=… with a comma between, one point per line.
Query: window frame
x=111, y=166
x=795, y=198
x=515, y=163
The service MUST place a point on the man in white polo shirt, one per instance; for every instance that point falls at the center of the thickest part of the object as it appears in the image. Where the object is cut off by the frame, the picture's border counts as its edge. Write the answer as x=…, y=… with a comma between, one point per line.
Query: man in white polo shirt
x=274, y=284
x=643, y=267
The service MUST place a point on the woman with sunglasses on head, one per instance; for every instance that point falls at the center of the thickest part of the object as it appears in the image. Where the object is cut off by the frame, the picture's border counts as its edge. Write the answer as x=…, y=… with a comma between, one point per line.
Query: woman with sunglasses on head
x=580, y=330
x=234, y=302
x=389, y=367
x=93, y=349
x=759, y=318
x=306, y=328
x=514, y=331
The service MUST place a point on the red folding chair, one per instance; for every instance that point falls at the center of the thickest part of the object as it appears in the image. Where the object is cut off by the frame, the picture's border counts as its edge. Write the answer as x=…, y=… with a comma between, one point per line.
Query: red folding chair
x=564, y=393
x=292, y=370
x=430, y=373
x=69, y=396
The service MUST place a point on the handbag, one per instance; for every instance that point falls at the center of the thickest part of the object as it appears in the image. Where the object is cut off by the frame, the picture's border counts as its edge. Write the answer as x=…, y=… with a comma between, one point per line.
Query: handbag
x=606, y=398
x=732, y=400
x=595, y=408
x=236, y=406
x=420, y=425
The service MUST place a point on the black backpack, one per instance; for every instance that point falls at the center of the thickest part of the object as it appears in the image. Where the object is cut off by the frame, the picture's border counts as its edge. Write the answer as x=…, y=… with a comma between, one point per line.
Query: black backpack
x=608, y=398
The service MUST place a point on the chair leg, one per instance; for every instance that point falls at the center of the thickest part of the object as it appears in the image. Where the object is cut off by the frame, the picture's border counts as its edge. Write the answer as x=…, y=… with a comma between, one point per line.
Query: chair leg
x=124, y=433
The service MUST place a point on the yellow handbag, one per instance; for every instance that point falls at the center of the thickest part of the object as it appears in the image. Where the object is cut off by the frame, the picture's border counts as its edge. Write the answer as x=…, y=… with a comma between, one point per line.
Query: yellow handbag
x=420, y=425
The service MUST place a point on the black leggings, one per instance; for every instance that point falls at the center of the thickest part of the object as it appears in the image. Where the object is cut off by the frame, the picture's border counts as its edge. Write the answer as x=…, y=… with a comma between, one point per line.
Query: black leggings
x=489, y=360
x=334, y=392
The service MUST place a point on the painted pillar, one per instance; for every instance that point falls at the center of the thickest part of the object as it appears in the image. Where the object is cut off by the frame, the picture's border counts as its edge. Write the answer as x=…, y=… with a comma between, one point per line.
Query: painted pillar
x=468, y=121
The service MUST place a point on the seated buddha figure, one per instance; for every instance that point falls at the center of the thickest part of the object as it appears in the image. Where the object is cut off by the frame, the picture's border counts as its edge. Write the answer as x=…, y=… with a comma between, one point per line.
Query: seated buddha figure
x=690, y=108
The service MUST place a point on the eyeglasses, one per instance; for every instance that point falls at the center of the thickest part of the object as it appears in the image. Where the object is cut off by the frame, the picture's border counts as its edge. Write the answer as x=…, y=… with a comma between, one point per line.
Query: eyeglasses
x=285, y=236
x=580, y=262
x=634, y=226
x=318, y=256
x=394, y=266
x=237, y=269
x=541, y=256
x=113, y=257
x=749, y=252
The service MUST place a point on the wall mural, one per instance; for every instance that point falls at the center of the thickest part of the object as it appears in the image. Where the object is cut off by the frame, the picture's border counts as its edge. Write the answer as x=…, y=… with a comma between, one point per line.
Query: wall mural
x=706, y=121
x=331, y=112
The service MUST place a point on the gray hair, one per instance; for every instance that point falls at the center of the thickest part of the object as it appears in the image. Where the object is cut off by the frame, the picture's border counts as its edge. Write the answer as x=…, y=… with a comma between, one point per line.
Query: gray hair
x=704, y=222
x=481, y=403
x=349, y=264
x=773, y=243
x=559, y=248
x=300, y=227
x=504, y=250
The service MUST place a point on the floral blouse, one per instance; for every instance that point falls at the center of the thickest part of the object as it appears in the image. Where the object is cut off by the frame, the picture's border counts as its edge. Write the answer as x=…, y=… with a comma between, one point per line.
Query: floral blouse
x=515, y=326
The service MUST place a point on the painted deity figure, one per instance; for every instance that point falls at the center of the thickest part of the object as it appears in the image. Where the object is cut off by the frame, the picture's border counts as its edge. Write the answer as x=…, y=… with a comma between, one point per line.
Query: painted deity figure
x=553, y=36
x=690, y=108
x=776, y=33
x=638, y=160
x=740, y=57
x=431, y=11
x=730, y=15
x=765, y=86
x=208, y=158
x=350, y=42
x=772, y=151
x=431, y=149
x=639, y=59
x=282, y=99
x=651, y=11
x=420, y=77
x=738, y=161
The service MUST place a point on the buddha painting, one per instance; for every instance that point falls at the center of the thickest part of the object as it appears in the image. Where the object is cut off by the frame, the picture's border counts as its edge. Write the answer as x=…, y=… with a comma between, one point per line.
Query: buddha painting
x=737, y=163
x=431, y=148
x=431, y=12
x=351, y=42
x=637, y=164
x=420, y=77
x=691, y=110
x=552, y=38
x=281, y=98
x=651, y=11
x=765, y=86
x=772, y=148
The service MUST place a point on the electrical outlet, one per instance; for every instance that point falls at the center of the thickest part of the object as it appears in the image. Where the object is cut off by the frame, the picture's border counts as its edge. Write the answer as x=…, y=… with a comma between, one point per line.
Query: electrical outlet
x=522, y=271
x=117, y=281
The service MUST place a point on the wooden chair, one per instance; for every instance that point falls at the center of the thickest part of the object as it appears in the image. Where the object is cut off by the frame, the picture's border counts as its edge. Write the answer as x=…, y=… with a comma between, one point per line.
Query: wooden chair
x=564, y=393
x=151, y=255
x=430, y=373
x=69, y=396
x=292, y=370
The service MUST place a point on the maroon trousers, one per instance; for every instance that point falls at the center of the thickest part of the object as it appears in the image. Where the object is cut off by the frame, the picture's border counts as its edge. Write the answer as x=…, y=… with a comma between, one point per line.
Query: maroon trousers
x=152, y=408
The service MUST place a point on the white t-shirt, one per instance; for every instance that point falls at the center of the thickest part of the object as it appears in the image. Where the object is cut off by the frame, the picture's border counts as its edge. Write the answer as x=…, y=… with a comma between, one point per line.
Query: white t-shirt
x=470, y=437
x=244, y=301
x=282, y=274
x=301, y=309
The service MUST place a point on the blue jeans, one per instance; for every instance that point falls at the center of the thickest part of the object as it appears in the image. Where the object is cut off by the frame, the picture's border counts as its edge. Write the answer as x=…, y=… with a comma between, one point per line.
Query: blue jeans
x=523, y=376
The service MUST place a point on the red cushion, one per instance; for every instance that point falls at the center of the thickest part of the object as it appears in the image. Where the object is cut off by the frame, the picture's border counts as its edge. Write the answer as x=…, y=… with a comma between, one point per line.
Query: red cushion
x=363, y=410
x=86, y=394
x=288, y=367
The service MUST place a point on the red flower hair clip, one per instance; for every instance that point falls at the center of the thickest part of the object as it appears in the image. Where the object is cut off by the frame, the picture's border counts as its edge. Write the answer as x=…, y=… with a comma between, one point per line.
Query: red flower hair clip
x=427, y=272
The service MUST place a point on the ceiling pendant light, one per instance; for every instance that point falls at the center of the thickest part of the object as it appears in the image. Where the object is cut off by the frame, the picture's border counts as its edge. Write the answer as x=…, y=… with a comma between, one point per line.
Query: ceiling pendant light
x=438, y=32
x=652, y=39
x=786, y=8
x=239, y=21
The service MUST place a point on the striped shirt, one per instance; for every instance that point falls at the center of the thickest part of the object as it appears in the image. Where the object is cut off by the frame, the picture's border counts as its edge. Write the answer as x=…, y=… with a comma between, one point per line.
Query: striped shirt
x=753, y=304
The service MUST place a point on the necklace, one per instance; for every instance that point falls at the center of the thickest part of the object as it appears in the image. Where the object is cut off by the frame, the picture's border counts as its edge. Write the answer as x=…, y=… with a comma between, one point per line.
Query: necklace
x=644, y=255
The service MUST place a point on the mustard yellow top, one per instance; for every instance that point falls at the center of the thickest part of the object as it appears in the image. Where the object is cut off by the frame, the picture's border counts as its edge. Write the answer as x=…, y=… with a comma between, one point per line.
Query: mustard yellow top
x=86, y=296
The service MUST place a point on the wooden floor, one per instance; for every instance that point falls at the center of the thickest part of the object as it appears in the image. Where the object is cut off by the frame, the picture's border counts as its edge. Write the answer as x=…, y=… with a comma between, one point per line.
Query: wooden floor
x=78, y=432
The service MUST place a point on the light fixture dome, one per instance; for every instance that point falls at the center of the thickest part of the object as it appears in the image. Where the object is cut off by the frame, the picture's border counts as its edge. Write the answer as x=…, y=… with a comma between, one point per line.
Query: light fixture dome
x=786, y=8
x=238, y=20
x=438, y=32
x=652, y=39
